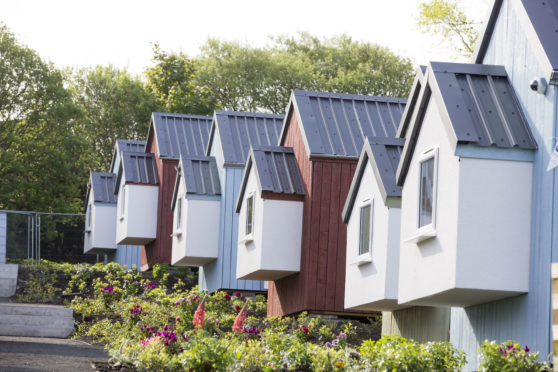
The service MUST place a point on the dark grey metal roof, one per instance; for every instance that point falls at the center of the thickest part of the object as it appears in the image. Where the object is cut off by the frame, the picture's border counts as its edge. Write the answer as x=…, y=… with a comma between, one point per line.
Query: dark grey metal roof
x=481, y=105
x=122, y=145
x=542, y=15
x=179, y=134
x=276, y=171
x=200, y=175
x=415, y=90
x=384, y=160
x=335, y=125
x=137, y=167
x=239, y=131
x=102, y=185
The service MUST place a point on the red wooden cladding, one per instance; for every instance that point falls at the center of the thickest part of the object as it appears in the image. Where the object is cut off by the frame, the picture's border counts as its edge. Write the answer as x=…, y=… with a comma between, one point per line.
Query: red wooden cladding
x=320, y=285
x=160, y=250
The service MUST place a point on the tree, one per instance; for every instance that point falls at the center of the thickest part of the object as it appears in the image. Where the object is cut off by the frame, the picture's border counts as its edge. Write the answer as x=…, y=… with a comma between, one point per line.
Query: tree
x=446, y=18
x=42, y=162
x=171, y=81
x=115, y=105
x=241, y=77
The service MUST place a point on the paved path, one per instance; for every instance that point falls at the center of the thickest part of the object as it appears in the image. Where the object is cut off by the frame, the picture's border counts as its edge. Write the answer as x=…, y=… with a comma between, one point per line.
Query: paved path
x=29, y=354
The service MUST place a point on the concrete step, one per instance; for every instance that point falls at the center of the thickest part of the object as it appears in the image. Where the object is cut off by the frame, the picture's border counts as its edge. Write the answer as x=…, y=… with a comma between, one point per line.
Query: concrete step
x=8, y=280
x=30, y=320
x=8, y=269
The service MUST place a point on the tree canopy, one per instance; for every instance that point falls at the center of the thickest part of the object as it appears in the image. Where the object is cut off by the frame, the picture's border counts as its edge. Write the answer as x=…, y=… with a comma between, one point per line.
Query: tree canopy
x=447, y=19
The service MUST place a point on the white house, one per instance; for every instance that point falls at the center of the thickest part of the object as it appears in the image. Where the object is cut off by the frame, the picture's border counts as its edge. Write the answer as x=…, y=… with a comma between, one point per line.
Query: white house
x=196, y=205
x=372, y=213
x=100, y=214
x=466, y=178
x=270, y=205
x=136, y=189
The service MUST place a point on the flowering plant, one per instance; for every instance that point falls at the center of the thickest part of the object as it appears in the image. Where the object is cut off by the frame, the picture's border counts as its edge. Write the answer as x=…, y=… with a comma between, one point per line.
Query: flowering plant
x=510, y=356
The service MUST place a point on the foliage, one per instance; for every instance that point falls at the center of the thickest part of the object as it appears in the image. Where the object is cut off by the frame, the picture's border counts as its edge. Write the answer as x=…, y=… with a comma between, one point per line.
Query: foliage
x=115, y=104
x=509, y=356
x=446, y=18
x=38, y=132
x=397, y=353
x=171, y=81
x=39, y=287
x=245, y=78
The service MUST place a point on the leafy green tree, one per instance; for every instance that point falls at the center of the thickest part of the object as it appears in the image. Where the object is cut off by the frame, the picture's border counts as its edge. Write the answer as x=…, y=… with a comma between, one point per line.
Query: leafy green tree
x=241, y=77
x=42, y=161
x=115, y=105
x=447, y=19
x=171, y=81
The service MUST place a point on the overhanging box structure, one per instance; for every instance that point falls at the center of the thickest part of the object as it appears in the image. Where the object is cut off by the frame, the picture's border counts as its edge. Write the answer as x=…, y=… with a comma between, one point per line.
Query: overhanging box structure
x=466, y=176
x=196, y=204
x=326, y=132
x=136, y=189
x=232, y=135
x=372, y=213
x=100, y=214
x=170, y=137
x=270, y=205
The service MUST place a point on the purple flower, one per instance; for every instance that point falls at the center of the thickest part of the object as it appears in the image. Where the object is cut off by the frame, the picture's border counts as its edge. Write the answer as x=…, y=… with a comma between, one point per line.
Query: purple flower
x=342, y=335
x=335, y=342
x=527, y=349
x=177, y=319
x=328, y=344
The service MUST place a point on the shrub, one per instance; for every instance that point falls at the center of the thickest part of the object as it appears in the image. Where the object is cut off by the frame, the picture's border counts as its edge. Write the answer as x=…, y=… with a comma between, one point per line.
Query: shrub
x=509, y=356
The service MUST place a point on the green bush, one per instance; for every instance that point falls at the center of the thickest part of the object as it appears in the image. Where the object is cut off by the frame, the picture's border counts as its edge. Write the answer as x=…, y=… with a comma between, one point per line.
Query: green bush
x=509, y=356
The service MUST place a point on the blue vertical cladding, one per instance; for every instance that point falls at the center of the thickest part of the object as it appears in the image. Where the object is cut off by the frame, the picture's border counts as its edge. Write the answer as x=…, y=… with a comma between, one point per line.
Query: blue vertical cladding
x=525, y=318
x=127, y=255
x=221, y=273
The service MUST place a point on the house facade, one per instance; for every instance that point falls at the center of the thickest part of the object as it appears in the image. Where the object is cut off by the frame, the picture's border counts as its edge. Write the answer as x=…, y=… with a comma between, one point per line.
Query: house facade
x=326, y=132
x=232, y=135
x=170, y=136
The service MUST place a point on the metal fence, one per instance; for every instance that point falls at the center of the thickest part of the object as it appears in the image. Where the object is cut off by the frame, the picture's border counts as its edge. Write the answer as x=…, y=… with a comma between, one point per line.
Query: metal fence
x=38, y=235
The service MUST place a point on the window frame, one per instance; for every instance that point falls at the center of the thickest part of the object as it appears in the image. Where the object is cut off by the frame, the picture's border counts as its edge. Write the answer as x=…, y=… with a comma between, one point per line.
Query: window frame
x=428, y=154
x=365, y=257
x=88, y=217
x=178, y=225
x=122, y=211
x=250, y=221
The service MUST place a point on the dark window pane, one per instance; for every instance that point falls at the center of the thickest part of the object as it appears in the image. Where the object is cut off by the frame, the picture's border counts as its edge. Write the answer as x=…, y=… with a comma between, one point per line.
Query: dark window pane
x=249, y=214
x=426, y=192
x=364, y=230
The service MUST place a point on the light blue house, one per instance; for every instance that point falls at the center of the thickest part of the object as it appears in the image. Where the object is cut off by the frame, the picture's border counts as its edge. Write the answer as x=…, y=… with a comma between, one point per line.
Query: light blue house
x=232, y=134
x=521, y=36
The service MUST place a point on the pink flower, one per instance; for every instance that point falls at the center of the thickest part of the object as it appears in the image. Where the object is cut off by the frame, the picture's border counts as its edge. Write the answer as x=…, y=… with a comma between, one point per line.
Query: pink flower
x=199, y=315
x=306, y=330
x=237, y=307
x=237, y=294
x=239, y=320
x=227, y=297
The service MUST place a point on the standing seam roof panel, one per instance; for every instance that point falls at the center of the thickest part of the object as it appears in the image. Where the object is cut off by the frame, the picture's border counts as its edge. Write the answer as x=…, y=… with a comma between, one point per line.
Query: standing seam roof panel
x=201, y=175
x=139, y=168
x=179, y=134
x=336, y=124
x=102, y=185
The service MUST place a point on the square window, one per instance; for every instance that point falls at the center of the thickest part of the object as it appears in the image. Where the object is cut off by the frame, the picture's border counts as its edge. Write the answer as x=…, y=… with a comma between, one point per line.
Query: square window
x=365, y=229
x=249, y=215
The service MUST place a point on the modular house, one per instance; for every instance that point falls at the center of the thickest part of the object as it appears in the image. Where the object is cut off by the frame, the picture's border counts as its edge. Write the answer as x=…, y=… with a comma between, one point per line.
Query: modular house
x=100, y=214
x=269, y=205
x=196, y=203
x=136, y=189
x=521, y=35
x=170, y=136
x=326, y=132
x=232, y=135
x=466, y=174
x=125, y=255
x=372, y=214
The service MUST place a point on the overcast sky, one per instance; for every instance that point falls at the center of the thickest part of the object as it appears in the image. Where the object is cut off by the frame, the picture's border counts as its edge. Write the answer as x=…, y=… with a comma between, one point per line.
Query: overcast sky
x=120, y=32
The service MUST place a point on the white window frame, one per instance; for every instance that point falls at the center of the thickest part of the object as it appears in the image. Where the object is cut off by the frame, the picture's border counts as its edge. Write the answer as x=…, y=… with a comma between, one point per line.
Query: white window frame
x=179, y=208
x=249, y=236
x=427, y=231
x=88, y=218
x=122, y=196
x=363, y=258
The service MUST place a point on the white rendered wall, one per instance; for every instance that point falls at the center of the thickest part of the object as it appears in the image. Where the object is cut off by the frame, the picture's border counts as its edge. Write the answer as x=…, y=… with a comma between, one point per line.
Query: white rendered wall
x=494, y=224
x=195, y=243
x=138, y=224
x=373, y=285
x=102, y=234
x=428, y=267
x=274, y=251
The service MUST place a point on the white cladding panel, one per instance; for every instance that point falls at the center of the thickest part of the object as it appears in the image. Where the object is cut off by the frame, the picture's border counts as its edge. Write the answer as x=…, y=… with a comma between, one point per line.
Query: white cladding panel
x=195, y=242
x=273, y=250
x=88, y=233
x=103, y=227
x=428, y=267
x=373, y=285
x=138, y=224
x=494, y=225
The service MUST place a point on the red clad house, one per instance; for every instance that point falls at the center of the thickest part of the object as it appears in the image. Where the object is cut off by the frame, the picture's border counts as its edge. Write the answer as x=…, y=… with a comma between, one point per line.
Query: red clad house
x=326, y=132
x=170, y=136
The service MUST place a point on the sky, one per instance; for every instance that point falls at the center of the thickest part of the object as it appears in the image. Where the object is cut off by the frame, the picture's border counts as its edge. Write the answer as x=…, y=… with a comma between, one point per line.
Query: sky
x=79, y=33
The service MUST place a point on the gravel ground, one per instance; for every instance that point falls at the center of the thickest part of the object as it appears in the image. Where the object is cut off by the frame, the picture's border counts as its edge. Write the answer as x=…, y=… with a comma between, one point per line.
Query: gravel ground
x=30, y=354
